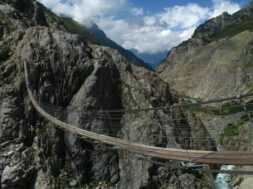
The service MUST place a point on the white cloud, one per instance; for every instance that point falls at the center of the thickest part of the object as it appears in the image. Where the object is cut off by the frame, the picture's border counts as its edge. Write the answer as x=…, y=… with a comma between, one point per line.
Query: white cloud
x=221, y=6
x=147, y=33
x=183, y=16
x=145, y=36
x=83, y=10
x=137, y=11
x=186, y=34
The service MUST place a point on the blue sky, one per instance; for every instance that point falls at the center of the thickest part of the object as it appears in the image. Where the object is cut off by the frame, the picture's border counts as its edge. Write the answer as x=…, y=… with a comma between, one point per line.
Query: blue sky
x=157, y=5
x=148, y=26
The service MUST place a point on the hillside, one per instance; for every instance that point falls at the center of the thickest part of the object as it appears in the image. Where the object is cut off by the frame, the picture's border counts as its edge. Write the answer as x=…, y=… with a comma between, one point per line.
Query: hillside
x=219, y=48
x=218, y=62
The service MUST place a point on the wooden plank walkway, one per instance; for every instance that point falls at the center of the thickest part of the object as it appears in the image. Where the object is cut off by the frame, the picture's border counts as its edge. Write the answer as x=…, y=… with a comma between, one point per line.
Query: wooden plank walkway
x=205, y=157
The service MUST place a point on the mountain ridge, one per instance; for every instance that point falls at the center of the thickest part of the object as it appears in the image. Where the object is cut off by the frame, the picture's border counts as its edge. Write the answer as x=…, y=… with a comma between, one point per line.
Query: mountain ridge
x=104, y=40
x=44, y=15
x=217, y=62
x=217, y=32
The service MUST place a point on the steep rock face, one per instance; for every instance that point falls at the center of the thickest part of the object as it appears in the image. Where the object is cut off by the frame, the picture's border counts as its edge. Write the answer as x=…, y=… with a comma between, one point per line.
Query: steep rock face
x=68, y=72
x=37, y=14
x=225, y=25
x=213, y=26
x=219, y=48
x=198, y=72
x=217, y=62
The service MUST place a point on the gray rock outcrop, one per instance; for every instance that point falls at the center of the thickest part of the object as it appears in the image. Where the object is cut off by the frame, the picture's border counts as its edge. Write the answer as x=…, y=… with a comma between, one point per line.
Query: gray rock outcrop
x=219, y=48
x=69, y=72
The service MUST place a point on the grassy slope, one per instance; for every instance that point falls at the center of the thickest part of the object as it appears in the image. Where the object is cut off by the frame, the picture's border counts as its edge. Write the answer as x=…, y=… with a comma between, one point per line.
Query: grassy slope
x=234, y=29
x=75, y=28
x=226, y=109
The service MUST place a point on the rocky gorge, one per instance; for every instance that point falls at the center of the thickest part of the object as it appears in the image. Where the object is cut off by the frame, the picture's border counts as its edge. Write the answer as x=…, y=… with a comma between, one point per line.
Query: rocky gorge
x=71, y=69
x=216, y=63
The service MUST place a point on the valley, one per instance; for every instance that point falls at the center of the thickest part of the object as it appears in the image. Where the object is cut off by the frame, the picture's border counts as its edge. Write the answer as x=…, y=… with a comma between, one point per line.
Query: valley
x=80, y=77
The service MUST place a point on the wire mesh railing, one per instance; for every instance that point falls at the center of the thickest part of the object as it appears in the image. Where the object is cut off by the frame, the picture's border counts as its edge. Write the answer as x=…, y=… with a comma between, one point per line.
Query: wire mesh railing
x=186, y=128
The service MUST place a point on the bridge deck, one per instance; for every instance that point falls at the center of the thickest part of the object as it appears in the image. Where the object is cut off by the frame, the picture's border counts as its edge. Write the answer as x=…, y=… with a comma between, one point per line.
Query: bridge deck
x=206, y=157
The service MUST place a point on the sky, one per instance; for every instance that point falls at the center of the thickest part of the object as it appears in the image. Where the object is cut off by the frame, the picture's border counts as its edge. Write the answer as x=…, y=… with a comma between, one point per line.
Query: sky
x=148, y=26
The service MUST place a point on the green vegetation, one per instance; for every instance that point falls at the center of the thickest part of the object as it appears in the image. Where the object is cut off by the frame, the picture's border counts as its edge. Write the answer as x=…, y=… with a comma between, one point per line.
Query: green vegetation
x=235, y=29
x=231, y=31
x=1, y=62
x=232, y=130
x=249, y=64
x=244, y=24
x=245, y=118
x=232, y=108
x=189, y=99
x=53, y=18
x=226, y=109
x=205, y=109
x=73, y=27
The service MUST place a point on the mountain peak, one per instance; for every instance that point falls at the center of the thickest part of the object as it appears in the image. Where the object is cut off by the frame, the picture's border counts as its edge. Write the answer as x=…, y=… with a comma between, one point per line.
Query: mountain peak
x=223, y=42
x=105, y=41
x=37, y=14
x=225, y=25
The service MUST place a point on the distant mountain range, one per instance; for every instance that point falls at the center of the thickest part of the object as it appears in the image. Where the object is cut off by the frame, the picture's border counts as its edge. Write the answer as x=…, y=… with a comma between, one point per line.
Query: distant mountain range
x=152, y=59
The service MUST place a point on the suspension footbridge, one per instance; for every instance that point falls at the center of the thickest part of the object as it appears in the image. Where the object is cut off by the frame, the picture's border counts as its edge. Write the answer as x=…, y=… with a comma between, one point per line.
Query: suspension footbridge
x=196, y=156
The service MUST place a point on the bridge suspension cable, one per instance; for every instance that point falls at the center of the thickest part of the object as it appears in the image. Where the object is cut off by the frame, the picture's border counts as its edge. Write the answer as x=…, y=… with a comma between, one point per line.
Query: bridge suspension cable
x=198, y=156
x=114, y=125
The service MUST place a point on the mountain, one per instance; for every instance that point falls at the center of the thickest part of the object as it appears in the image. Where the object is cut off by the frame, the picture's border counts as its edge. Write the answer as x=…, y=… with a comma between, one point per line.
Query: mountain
x=95, y=35
x=89, y=34
x=153, y=59
x=105, y=41
x=218, y=62
x=219, y=48
x=146, y=60
x=76, y=74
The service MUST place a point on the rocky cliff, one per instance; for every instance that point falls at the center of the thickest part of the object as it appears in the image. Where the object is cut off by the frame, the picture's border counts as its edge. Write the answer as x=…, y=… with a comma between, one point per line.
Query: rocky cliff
x=44, y=17
x=219, y=48
x=218, y=62
x=68, y=71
